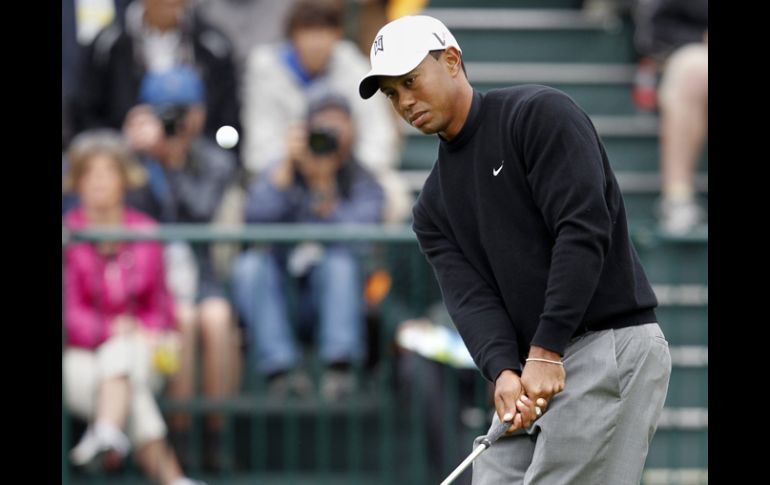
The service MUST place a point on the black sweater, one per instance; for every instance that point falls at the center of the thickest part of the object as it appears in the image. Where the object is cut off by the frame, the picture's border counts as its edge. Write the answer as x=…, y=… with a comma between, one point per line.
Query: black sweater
x=523, y=222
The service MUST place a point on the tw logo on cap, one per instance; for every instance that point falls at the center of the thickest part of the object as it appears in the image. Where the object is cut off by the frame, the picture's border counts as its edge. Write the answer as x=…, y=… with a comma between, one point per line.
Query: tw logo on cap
x=377, y=46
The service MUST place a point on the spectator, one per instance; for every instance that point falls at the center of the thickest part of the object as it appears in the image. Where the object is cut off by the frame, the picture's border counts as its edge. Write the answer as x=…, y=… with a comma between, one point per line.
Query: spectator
x=69, y=58
x=117, y=315
x=317, y=181
x=248, y=23
x=80, y=22
x=276, y=85
x=662, y=26
x=683, y=99
x=191, y=175
x=154, y=35
x=671, y=37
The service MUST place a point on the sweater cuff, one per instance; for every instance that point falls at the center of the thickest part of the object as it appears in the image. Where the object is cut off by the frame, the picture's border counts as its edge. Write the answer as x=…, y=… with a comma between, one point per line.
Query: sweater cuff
x=497, y=363
x=552, y=336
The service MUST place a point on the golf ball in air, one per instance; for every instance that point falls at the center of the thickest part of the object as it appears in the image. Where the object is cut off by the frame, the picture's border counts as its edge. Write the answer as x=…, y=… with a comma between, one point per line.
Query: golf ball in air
x=227, y=136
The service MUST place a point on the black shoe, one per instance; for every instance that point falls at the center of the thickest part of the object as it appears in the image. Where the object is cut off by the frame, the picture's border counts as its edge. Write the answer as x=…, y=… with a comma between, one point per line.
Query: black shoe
x=213, y=451
x=180, y=442
x=292, y=383
x=337, y=385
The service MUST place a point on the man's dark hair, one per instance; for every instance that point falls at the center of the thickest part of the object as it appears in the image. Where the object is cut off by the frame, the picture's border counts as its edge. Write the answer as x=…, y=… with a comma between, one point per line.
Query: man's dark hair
x=437, y=53
x=313, y=13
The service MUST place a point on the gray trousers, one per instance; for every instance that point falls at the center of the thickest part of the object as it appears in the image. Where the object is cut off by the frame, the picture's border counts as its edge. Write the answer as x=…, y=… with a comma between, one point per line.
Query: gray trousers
x=598, y=430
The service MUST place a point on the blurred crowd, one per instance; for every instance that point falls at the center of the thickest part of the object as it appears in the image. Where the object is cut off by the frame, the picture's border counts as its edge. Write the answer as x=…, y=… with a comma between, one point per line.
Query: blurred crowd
x=212, y=112
x=247, y=111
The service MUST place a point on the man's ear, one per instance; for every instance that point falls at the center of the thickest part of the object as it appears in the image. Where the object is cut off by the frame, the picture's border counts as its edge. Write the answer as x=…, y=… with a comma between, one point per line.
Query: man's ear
x=453, y=60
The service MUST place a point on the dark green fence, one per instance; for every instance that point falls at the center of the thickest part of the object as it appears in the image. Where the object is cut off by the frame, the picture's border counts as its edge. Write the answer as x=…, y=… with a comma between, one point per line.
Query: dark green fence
x=413, y=419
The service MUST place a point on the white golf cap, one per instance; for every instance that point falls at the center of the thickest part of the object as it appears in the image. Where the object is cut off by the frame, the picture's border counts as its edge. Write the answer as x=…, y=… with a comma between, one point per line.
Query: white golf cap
x=401, y=45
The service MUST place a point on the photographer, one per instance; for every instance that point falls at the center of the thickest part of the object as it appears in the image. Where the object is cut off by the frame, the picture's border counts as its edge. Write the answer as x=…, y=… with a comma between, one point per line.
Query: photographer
x=317, y=182
x=188, y=177
x=278, y=80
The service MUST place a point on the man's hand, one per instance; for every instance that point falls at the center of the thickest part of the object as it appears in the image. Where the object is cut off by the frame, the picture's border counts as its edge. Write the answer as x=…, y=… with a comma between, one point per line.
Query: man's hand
x=543, y=380
x=296, y=151
x=143, y=129
x=511, y=403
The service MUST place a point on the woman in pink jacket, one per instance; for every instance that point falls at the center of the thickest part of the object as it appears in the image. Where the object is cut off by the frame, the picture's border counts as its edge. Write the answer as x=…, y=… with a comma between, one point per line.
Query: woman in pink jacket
x=117, y=314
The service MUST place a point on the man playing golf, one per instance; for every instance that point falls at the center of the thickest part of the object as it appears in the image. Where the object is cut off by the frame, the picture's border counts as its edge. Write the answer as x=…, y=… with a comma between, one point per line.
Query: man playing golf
x=523, y=222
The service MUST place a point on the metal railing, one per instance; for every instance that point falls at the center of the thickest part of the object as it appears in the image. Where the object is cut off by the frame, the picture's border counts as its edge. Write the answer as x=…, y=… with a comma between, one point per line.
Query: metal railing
x=413, y=419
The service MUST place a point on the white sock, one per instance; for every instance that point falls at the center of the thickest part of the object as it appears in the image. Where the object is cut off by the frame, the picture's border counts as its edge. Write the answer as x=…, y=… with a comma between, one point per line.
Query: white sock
x=679, y=193
x=112, y=435
x=183, y=481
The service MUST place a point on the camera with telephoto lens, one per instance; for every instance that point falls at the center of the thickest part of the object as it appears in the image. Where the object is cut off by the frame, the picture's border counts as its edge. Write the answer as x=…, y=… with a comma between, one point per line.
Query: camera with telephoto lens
x=171, y=116
x=322, y=141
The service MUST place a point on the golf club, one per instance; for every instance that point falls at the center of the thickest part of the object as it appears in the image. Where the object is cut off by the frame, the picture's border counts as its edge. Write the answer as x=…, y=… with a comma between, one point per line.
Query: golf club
x=496, y=430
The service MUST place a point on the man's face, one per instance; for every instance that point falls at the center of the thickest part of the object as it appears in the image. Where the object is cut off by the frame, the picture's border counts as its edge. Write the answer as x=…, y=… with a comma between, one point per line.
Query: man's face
x=424, y=96
x=164, y=14
x=102, y=184
x=315, y=46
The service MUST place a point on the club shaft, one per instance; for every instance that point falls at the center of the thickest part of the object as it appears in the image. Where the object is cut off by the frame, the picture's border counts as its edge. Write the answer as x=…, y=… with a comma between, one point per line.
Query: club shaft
x=466, y=462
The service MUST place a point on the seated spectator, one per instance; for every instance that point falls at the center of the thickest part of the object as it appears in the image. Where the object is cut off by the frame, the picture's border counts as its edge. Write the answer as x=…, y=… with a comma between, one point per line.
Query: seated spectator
x=683, y=100
x=320, y=181
x=672, y=77
x=276, y=85
x=118, y=315
x=189, y=175
x=247, y=23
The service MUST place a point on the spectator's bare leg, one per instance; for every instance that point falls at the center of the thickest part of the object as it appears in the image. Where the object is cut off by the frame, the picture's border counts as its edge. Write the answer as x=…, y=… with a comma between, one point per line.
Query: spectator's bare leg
x=112, y=407
x=684, y=122
x=236, y=360
x=159, y=462
x=182, y=385
x=217, y=346
x=113, y=400
x=684, y=119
